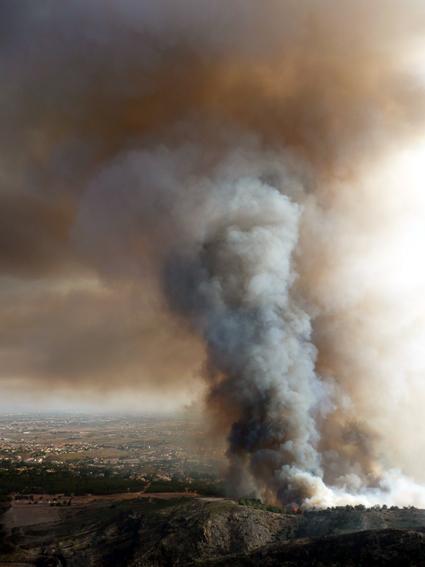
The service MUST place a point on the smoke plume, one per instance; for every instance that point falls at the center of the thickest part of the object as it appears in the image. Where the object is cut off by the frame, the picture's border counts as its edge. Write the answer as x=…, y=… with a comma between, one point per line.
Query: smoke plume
x=225, y=194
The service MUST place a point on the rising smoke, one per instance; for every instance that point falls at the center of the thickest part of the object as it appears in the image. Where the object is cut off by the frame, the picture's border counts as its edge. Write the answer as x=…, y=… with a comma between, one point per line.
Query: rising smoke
x=228, y=159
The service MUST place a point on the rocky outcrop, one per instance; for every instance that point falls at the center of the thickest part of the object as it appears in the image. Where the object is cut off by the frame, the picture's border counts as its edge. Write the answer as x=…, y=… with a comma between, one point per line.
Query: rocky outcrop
x=188, y=532
x=377, y=548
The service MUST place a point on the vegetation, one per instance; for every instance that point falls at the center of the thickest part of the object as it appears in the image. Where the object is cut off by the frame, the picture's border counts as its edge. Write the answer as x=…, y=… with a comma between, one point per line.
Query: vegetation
x=56, y=479
x=61, y=480
x=206, y=488
x=256, y=503
x=5, y=545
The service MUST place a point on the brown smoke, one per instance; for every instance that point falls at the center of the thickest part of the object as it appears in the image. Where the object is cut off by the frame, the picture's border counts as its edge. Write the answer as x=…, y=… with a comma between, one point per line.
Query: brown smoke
x=213, y=160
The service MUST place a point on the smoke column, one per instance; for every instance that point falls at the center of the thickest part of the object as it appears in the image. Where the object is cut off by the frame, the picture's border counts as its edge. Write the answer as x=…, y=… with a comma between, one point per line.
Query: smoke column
x=253, y=166
x=236, y=290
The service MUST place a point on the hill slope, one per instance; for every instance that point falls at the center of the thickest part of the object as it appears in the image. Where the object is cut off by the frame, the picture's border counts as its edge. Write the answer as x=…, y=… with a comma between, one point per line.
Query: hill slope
x=194, y=531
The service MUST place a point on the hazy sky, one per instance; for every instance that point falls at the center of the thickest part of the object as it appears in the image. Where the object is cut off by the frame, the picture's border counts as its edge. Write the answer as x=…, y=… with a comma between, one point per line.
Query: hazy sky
x=88, y=83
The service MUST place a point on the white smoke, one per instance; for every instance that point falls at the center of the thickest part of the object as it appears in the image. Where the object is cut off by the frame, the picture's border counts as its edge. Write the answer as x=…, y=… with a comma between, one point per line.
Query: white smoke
x=261, y=359
x=226, y=238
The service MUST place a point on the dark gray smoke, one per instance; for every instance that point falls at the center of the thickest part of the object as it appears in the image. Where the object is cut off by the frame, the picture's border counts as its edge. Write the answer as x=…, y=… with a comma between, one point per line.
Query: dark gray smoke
x=236, y=289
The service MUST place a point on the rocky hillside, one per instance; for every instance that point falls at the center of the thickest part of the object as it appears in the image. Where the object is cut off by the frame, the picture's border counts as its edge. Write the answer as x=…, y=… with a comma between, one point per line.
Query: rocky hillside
x=193, y=531
x=392, y=548
x=4, y=545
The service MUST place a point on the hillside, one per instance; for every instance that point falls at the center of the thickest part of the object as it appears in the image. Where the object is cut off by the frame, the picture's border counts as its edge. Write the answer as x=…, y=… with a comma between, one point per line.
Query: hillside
x=154, y=532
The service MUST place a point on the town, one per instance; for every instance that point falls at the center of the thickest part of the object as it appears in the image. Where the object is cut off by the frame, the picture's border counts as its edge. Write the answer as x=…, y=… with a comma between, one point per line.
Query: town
x=81, y=453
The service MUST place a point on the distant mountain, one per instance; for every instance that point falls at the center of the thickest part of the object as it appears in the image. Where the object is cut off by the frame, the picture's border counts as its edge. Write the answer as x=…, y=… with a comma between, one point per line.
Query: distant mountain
x=217, y=532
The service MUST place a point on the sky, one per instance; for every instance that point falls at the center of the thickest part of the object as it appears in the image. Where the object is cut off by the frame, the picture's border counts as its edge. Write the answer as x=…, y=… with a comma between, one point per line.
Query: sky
x=90, y=86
